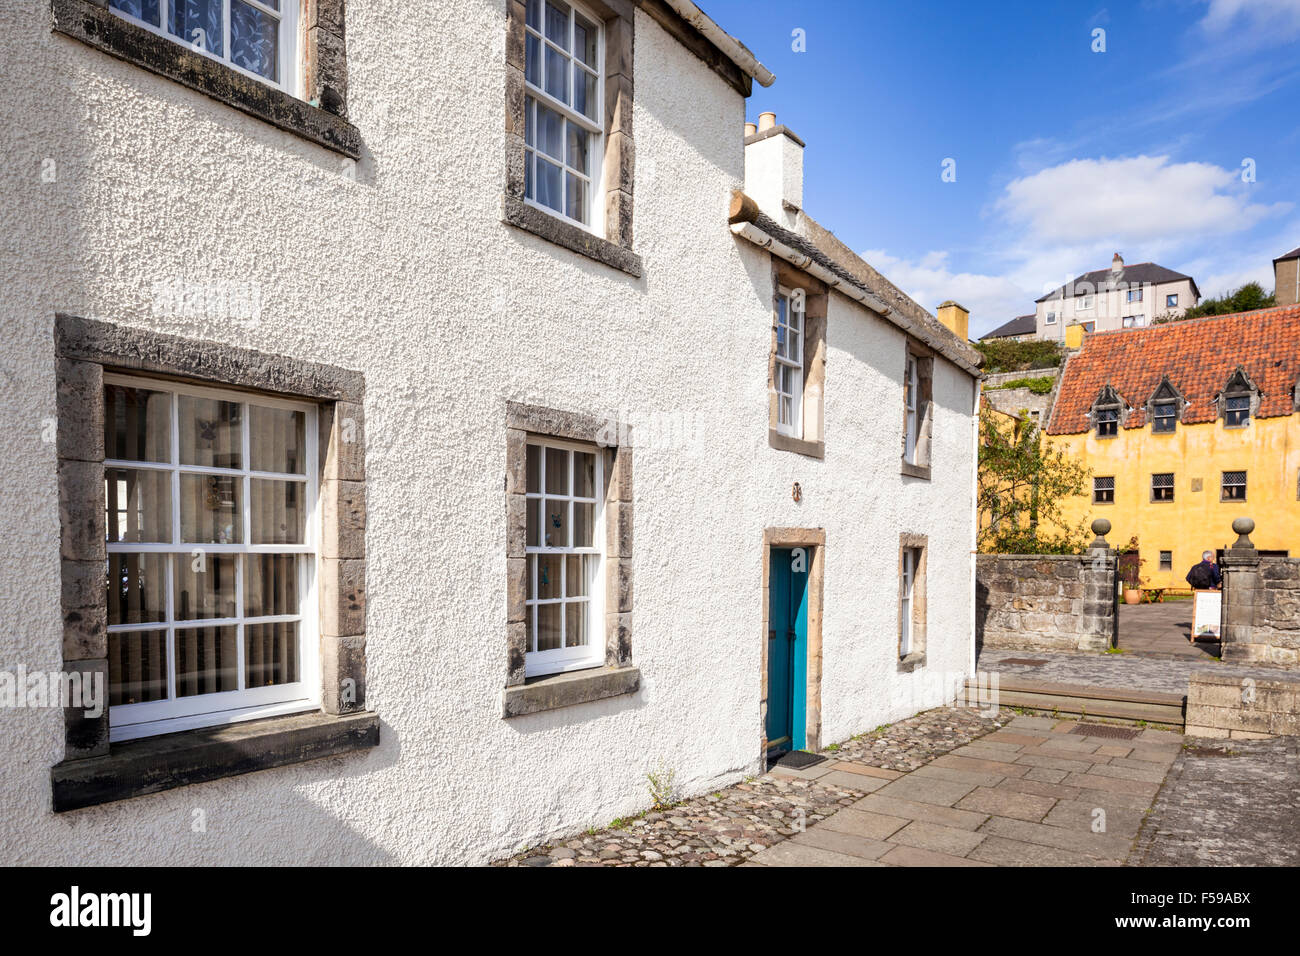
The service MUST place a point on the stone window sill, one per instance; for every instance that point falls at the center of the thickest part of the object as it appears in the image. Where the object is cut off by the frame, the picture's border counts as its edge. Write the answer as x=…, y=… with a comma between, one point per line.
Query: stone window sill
x=800, y=446
x=104, y=30
x=519, y=214
x=564, y=690
x=154, y=764
x=914, y=471
x=911, y=662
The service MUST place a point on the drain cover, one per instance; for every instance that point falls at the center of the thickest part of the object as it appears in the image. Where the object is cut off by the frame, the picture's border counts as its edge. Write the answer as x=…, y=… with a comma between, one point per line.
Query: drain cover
x=798, y=759
x=1105, y=730
x=1026, y=661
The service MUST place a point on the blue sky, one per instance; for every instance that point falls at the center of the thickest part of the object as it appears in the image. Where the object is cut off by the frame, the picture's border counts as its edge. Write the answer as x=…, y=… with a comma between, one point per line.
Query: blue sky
x=1063, y=155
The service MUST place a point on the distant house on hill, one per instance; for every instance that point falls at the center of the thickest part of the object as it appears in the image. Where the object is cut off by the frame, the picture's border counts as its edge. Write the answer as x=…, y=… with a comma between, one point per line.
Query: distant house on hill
x=1017, y=330
x=1120, y=297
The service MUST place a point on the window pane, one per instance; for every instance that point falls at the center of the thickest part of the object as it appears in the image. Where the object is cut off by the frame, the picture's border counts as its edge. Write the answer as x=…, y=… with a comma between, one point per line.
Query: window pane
x=137, y=424
x=781, y=336
x=532, y=59
x=277, y=440
x=557, y=471
x=533, y=539
x=548, y=626
x=212, y=509
x=137, y=667
x=138, y=505
x=198, y=23
x=533, y=466
x=584, y=474
x=575, y=624
x=205, y=586
x=549, y=185
x=787, y=416
x=211, y=432
x=528, y=121
x=548, y=575
x=277, y=512
x=579, y=142
x=584, y=92
x=270, y=585
x=146, y=10
x=253, y=40
x=794, y=347
x=584, y=521
x=556, y=522
x=579, y=574
x=585, y=36
x=205, y=661
x=270, y=654
x=550, y=132
x=575, y=203
x=557, y=24
x=534, y=15
x=137, y=589
x=528, y=174
x=557, y=75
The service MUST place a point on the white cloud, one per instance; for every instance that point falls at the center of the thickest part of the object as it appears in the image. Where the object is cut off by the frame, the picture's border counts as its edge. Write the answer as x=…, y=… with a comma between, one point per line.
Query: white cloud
x=1267, y=21
x=1068, y=219
x=1129, y=200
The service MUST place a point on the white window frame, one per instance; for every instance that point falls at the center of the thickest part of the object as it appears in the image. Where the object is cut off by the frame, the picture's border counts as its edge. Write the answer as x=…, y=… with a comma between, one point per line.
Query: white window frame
x=1131, y=321
x=1051, y=318
x=911, y=408
x=1087, y=303
x=288, y=41
x=131, y=721
x=907, y=595
x=1171, y=301
x=561, y=659
x=792, y=358
x=1135, y=295
x=595, y=179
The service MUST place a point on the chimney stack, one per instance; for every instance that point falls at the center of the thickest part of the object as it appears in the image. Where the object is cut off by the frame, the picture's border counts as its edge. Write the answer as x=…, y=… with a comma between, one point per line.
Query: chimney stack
x=955, y=318
x=1286, y=277
x=1117, y=264
x=774, y=170
x=750, y=130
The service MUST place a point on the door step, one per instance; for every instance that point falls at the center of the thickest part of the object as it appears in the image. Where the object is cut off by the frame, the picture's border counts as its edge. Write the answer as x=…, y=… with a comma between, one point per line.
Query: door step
x=1117, y=703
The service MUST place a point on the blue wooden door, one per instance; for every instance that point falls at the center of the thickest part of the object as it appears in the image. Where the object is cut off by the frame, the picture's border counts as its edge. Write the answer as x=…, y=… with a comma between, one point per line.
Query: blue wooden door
x=787, y=648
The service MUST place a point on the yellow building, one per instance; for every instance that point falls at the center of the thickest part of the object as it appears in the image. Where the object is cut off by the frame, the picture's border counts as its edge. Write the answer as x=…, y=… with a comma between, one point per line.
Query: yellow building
x=1186, y=426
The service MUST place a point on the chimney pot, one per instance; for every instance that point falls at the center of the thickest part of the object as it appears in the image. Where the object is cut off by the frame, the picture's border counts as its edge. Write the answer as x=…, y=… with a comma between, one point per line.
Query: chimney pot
x=766, y=121
x=750, y=130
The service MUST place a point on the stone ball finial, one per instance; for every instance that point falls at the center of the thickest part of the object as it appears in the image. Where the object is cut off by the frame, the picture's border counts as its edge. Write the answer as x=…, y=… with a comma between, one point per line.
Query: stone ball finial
x=1101, y=527
x=1243, y=527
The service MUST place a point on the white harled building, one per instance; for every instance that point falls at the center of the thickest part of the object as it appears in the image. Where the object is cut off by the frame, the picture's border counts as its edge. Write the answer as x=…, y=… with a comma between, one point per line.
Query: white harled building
x=418, y=436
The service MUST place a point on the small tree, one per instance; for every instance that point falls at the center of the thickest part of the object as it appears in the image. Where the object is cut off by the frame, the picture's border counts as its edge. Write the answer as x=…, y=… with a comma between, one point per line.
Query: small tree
x=1023, y=484
x=1248, y=298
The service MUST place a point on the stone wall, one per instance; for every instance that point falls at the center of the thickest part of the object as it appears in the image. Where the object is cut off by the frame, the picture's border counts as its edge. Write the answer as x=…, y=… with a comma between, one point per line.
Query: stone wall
x=1261, y=604
x=1013, y=401
x=1223, y=706
x=1046, y=602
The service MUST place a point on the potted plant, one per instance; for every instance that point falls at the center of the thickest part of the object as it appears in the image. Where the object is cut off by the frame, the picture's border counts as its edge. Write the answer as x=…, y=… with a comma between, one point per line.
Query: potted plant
x=1130, y=571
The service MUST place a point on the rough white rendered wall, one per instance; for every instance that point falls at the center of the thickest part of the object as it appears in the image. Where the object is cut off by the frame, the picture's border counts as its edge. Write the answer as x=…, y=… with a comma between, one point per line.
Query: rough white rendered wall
x=408, y=275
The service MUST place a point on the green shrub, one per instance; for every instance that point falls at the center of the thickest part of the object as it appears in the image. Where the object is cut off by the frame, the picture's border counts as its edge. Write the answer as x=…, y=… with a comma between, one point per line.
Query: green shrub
x=1005, y=356
x=1039, y=386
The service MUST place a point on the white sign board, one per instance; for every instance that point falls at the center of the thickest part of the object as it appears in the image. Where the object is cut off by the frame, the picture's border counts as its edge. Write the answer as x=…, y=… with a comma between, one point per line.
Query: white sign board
x=1206, y=614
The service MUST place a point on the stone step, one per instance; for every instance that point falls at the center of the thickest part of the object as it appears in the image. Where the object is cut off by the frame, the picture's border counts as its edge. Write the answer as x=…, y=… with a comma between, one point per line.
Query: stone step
x=1119, y=703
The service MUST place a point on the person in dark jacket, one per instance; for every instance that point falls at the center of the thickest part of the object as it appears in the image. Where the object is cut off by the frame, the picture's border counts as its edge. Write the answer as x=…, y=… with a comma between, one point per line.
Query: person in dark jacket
x=1205, y=576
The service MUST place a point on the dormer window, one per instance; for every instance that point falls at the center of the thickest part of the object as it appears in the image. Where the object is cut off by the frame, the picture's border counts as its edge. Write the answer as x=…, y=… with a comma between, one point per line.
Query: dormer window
x=1236, y=413
x=1107, y=422
x=1165, y=418
x=1238, y=399
x=1107, y=412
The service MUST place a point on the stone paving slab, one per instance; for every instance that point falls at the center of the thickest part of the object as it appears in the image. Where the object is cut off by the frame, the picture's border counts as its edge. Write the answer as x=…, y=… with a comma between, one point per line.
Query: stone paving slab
x=1120, y=670
x=838, y=841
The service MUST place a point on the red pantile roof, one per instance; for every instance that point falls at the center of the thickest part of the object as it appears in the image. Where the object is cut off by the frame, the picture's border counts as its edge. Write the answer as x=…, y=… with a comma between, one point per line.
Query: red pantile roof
x=1199, y=355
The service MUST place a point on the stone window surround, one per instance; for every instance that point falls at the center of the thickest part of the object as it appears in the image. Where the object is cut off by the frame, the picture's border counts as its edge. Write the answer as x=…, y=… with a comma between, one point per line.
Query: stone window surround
x=1108, y=398
x=1165, y=392
x=93, y=770
x=916, y=658
x=529, y=695
x=320, y=118
x=816, y=300
x=924, y=357
x=815, y=540
x=615, y=248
